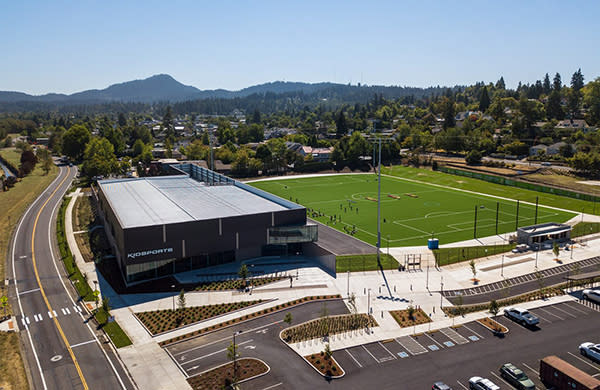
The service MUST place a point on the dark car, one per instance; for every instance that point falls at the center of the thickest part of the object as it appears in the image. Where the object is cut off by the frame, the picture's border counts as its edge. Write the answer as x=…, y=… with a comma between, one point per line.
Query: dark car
x=516, y=377
x=440, y=386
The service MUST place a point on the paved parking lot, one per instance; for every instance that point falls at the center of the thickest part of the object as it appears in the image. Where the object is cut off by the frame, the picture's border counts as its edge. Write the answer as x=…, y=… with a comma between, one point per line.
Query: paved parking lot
x=455, y=354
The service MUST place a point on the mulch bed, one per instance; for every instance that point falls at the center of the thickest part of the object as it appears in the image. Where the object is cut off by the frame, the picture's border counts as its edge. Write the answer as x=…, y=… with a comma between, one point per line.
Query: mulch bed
x=327, y=326
x=492, y=325
x=247, y=317
x=222, y=377
x=158, y=321
x=403, y=319
x=324, y=364
x=237, y=284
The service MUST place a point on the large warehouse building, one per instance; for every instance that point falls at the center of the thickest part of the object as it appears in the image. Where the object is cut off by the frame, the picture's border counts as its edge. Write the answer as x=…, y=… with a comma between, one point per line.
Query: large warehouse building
x=195, y=218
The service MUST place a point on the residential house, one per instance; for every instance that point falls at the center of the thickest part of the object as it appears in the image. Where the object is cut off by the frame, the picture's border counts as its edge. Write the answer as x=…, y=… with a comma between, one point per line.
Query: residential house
x=537, y=149
x=573, y=124
x=555, y=148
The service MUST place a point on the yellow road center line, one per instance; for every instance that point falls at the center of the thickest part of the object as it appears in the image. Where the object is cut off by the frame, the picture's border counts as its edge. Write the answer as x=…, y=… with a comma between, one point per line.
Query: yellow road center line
x=37, y=277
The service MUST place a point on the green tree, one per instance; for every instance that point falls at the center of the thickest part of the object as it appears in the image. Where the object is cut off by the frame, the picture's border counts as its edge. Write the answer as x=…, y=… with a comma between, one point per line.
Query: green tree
x=75, y=140
x=473, y=157
x=327, y=351
x=28, y=162
x=553, y=107
x=484, y=99
x=99, y=158
x=341, y=125
x=547, y=86
x=410, y=310
x=181, y=300
x=233, y=354
x=555, y=248
x=494, y=308
x=500, y=83
x=448, y=112
x=577, y=80
x=288, y=318
x=473, y=269
x=557, y=82
x=44, y=156
x=592, y=101
x=243, y=273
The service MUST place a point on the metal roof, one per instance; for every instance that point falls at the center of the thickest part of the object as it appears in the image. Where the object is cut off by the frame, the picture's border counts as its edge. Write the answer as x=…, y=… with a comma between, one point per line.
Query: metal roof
x=172, y=199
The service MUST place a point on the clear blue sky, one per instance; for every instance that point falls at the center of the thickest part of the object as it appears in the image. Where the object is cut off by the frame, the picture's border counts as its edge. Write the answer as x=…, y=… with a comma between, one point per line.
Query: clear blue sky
x=69, y=46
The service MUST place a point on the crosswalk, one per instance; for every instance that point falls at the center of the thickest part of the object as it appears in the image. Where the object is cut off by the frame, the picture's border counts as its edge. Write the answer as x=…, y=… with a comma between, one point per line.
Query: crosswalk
x=486, y=288
x=39, y=317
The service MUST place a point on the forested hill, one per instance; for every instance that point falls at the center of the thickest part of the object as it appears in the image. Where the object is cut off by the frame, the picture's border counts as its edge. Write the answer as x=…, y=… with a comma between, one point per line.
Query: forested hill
x=163, y=88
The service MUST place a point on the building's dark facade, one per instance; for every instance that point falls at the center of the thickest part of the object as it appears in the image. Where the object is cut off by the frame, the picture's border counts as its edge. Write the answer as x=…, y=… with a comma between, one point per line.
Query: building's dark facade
x=156, y=250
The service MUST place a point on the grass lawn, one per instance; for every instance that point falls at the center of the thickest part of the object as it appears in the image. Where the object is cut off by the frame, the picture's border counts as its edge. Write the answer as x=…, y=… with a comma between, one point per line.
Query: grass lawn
x=583, y=228
x=445, y=256
x=13, y=204
x=112, y=329
x=412, y=211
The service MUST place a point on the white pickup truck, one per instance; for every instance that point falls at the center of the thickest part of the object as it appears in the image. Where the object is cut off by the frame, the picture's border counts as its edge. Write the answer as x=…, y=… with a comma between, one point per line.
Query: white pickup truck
x=522, y=316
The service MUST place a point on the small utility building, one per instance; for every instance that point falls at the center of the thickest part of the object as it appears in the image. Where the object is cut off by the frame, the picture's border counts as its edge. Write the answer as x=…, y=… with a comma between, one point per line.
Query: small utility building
x=195, y=218
x=544, y=234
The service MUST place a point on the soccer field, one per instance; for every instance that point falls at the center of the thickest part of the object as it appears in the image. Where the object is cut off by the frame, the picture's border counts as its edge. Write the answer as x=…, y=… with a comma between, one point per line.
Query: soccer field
x=410, y=212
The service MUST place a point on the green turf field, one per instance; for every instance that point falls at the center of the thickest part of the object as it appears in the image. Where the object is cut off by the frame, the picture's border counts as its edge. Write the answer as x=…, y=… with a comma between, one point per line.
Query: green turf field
x=410, y=211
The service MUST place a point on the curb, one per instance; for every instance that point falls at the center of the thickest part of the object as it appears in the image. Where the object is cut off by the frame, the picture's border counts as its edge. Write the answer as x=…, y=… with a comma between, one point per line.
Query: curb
x=493, y=330
x=243, y=380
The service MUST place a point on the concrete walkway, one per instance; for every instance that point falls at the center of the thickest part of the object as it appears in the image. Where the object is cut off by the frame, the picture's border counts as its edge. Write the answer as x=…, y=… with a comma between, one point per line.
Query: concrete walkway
x=87, y=269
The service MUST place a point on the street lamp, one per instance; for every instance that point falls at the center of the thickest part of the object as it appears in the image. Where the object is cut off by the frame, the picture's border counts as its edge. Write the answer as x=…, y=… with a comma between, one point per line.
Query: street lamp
x=502, y=269
x=441, y=290
x=235, y=353
x=173, y=288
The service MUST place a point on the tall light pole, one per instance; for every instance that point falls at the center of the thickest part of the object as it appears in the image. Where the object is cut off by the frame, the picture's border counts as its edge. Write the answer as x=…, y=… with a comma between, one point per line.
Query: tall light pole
x=235, y=353
x=378, y=141
x=441, y=290
x=173, y=289
x=348, y=284
x=502, y=269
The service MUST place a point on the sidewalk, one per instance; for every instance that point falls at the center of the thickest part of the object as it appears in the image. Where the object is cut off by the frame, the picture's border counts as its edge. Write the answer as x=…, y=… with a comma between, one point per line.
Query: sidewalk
x=87, y=269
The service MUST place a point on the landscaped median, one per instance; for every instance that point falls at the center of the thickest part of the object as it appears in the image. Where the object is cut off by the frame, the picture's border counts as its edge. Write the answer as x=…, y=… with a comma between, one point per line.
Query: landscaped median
x=237, y=284
x=410, y=317
x=248, y=317
x=325, y=364
x=326, y=326
x=221, y=377
x=493, y=325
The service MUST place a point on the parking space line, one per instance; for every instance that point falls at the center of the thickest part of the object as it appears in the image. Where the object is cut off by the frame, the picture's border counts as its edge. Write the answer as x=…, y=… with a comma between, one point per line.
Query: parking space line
x=533, y=370
x=213, y=353
x=497, y=376
x=471, y=330
x=463, y=386
x=353, y=358
x=585, y=361
x=542, y=318
x=454, y=336
x=369, y=352
x=552, y=314
x=579, y=310
x=422, y=350
x=564, y=311
x=388, y=351
x=273, y=386
x=432, y=339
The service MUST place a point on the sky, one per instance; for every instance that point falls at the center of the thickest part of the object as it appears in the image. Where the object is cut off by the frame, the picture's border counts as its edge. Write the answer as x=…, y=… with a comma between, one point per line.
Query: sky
x=70, y=46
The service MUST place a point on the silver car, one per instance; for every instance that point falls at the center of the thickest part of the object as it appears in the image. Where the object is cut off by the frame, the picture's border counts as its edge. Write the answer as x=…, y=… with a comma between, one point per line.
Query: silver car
x=590, y=350
x=591, y=295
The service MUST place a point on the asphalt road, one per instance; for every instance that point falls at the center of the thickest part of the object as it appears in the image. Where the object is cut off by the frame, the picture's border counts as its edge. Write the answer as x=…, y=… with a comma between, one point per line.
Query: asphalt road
x=62, y=350
x=340, y=243
x=521, y=284
x=452, y=356
x=258, y=338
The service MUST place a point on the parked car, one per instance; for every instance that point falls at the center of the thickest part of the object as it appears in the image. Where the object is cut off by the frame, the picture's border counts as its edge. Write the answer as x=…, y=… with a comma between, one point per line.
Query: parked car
x=516, y=377
x=521, y=316
x=591, y=295
x=590, y=350
x=479, y=383
x=440, y=386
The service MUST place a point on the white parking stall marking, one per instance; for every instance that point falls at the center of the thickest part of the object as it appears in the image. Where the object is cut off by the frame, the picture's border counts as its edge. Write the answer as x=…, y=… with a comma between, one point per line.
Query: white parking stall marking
x=542, y=318
x=273, y=386
x=552, y=314
x=387, y=350
x=564, y=311
x=406, y=342
x=471, y=330
x=369, y=352
x=499, y=378
x=67, y=310
x=432, y=339
x=532, y=369
x=29, y=291
x=84, y=343
x=353, y=358
x=214, y=353
x=585, y=361
x=571, y=307
x=454, y=336
x=463, y=386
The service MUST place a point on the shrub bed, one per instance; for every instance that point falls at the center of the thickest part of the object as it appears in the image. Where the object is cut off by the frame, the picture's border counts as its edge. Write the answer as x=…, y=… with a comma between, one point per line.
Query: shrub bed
x=237, y=284
x=222, y=377
x=326, y=365
x=158, y=321
x=530, y=296
x=326, y=326
x=247, y=317
x=403, y=318
x=492, y=325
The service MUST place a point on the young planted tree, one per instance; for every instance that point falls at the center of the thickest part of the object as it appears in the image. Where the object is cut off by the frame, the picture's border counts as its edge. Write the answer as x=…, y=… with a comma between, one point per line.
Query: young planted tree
x=327, y=351
x=181, y=305
x=288, y=318
x=411, y=312
x=541, y=284
x=233, y=354
x=494, y=307
x=555, y=249
x=473, y=270
x=243, y=273
x=459, y=305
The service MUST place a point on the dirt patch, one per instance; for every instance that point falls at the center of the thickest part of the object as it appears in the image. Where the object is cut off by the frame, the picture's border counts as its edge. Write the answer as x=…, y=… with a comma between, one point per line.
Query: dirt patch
x=222, y=377
x=493, y=325
x=12, y=371
x=403, y=318
x=326, y=365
